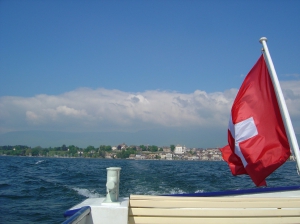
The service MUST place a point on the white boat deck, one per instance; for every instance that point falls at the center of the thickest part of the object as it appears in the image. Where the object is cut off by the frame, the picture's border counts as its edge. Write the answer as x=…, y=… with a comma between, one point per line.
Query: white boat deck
x=272, y=207
x=176, y=210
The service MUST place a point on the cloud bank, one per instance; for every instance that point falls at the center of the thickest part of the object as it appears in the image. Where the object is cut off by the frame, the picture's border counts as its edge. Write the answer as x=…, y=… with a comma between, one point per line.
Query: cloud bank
x=92, y=110
x=113, y=110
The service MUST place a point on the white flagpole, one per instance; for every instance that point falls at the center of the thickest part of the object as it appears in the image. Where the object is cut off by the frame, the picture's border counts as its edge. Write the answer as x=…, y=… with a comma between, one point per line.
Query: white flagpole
x=281, y=102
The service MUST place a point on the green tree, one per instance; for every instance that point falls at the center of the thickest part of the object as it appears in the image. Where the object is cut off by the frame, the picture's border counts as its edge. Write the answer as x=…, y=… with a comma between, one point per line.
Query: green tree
x=101, y=154
x=144, y=148
x=108, y=148
x=73, y=150
x=102, y=148
x=56, y=148
x=172, y=147
x=89, y=148
x=123, y=154
x=28, y=152
x=43, y=152
x=153, y=148
x=35, y=152
x=64, y=147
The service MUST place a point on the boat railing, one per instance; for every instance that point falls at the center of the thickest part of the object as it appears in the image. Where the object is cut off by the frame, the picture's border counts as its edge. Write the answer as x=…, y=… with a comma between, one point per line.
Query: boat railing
x=77, y=216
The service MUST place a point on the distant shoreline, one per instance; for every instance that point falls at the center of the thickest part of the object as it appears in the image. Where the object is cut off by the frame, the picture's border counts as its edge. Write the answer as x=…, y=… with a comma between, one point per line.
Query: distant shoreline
x=60, y=157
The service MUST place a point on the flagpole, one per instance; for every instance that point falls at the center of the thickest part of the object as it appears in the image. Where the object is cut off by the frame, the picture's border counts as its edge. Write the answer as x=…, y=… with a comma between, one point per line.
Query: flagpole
x=281, y=102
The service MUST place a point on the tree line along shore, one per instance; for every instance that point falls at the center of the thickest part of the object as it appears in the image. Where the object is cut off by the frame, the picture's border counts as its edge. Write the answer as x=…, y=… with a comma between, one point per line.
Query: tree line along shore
x=121, y=151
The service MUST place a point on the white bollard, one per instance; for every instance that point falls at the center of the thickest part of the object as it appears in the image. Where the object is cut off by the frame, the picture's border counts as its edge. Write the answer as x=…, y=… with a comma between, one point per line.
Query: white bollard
x=112, y=184
x=111, y=209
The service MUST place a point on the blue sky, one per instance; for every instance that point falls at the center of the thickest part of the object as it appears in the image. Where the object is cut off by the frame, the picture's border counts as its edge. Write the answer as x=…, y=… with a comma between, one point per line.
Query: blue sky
x=129, y=66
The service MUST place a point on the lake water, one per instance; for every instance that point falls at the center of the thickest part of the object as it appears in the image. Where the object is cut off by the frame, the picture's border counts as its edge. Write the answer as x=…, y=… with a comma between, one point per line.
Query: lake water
x=39, y=190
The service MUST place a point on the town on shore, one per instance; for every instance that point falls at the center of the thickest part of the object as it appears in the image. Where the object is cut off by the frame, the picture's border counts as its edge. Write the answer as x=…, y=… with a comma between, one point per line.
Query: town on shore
x=121, y=151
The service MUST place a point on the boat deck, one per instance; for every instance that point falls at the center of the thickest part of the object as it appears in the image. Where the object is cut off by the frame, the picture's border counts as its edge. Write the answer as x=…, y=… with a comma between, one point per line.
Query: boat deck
x=166, y=209
x=260, y=205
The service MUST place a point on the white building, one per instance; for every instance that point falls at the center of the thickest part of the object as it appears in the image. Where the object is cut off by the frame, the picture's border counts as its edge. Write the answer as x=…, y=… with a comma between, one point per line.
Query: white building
x=169, y=156
x=179, y=150
x=139, y=157
x=162, y=156
x=166, y=149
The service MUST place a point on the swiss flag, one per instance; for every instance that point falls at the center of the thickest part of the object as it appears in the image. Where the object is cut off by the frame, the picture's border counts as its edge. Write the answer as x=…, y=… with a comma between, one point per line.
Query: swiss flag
x=257, y=142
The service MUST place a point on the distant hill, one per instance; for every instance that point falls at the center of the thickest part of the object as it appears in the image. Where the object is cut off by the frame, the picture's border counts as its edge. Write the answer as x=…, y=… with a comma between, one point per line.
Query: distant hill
x=159, y=137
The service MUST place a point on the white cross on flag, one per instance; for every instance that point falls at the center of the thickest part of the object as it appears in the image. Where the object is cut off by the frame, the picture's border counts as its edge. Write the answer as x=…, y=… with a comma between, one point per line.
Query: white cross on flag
x=257, y=141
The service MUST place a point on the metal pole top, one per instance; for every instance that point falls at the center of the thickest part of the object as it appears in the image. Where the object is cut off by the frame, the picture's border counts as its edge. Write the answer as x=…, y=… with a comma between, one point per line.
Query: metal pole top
x=263, y=39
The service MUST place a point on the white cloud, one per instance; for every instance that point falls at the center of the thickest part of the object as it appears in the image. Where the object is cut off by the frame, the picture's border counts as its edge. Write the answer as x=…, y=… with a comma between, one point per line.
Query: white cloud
x=291, y=92
x=31, y=116
x=295, y=76
x=101, y=109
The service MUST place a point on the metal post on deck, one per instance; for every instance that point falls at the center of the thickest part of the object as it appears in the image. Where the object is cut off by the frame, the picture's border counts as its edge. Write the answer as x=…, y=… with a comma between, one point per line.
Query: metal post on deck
x=112, y=184
x=281, y=102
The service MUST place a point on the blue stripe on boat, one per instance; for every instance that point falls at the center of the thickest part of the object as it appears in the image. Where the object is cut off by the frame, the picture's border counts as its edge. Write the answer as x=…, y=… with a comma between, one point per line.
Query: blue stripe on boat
x=69, y=213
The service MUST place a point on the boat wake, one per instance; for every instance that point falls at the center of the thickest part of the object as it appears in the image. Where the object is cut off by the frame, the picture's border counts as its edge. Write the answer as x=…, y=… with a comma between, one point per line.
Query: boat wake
x=40, y=161
x=87, y=193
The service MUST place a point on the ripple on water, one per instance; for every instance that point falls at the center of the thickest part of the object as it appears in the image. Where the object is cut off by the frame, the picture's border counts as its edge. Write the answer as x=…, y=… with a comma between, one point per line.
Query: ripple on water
x=39, y=190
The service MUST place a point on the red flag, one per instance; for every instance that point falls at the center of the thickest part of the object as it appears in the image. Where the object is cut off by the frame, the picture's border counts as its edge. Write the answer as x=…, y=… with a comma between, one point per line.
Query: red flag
x=257, y=142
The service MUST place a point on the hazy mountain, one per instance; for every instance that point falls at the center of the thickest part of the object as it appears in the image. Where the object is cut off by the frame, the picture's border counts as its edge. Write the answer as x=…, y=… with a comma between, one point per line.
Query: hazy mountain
x=161, y=137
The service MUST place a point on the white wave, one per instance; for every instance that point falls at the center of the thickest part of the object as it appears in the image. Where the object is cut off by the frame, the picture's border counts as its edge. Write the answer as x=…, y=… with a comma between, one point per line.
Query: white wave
x=176, y=191
x=40, y=161
x=199, y=191
x=142, y=188
x=87, y=193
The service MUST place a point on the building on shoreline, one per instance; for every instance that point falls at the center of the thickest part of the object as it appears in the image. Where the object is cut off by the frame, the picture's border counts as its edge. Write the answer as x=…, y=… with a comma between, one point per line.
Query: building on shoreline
x=180, y=153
